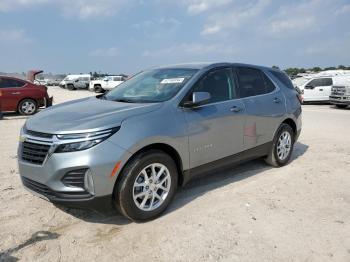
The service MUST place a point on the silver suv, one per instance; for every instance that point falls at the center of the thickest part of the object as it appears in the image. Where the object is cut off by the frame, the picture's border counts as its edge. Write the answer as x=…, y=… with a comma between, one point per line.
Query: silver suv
x=134, y=145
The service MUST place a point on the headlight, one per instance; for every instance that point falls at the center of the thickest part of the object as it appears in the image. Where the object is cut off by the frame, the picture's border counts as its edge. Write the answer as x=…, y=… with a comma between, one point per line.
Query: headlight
x=78, y=142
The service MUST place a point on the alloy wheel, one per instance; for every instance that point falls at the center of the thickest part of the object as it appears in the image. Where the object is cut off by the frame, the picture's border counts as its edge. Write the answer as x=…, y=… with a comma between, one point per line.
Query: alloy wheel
x=151, y=187
x=284, y=145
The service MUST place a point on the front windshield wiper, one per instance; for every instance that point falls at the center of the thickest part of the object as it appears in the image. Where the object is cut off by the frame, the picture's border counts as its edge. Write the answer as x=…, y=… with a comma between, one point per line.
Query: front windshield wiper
x=124, y=100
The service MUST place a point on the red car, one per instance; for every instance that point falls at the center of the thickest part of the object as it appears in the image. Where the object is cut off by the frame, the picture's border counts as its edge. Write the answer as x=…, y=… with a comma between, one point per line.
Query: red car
x=22, y=96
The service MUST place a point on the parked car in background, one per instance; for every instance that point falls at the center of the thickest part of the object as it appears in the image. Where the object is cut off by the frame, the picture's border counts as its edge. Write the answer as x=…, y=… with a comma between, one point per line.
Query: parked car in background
x=317, y=87
x=22, y=96
x=106, y=83
x=340, y=94
x=73, y=82
x=134, y=145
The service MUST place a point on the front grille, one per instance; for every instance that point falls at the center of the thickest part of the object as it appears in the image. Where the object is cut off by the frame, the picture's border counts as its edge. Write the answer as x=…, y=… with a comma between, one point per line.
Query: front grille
x=74, y=178
x=34, y=153
x=338, y=90
x=51, y=194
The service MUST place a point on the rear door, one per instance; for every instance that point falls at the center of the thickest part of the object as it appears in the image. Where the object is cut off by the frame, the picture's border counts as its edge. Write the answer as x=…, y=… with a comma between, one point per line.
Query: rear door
x=264, y=105
x=318, y=89
x=215, y=129
x=11, y=93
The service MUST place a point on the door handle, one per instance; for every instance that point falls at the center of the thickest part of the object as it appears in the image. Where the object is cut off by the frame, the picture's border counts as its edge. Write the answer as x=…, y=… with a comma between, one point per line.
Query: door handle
x=15, y=93
x=321, y=89
x=236, y=109
x=277, y=100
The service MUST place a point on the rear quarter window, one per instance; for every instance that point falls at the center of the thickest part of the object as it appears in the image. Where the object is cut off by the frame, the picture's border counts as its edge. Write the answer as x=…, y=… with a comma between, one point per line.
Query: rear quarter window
x=283, y=78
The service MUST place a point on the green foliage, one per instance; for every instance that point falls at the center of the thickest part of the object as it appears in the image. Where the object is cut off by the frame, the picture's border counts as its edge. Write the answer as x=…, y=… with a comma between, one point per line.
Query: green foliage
x=294, y=70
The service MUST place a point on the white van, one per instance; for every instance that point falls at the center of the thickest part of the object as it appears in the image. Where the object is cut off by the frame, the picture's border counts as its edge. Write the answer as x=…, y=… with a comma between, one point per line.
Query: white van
x=318, y=89
x=73, y=82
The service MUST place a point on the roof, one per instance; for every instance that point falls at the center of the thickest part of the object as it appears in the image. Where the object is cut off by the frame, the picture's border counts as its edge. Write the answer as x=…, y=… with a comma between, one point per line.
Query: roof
x=208, y=65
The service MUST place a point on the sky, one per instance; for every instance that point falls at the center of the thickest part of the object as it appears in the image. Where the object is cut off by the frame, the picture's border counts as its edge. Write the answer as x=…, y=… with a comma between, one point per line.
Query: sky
x=125, y=36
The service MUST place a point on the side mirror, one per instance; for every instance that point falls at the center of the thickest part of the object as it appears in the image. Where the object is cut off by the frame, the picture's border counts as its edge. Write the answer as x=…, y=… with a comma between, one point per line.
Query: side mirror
x=309, y=87
x=198, y=98
x=76, y=80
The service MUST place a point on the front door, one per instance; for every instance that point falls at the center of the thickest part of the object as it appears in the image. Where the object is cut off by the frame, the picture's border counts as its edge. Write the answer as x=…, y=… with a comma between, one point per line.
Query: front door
x=215, y=130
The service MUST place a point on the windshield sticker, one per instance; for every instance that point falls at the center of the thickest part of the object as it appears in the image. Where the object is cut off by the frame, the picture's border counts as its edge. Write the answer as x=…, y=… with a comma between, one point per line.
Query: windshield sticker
x=178, y=80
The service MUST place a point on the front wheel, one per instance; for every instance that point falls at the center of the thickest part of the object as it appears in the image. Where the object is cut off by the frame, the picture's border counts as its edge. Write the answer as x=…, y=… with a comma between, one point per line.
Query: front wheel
x=147, y=186
x=282, y=147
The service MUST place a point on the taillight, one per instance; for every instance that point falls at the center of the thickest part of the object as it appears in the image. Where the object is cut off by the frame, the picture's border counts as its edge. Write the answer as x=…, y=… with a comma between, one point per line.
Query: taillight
x=300, y=98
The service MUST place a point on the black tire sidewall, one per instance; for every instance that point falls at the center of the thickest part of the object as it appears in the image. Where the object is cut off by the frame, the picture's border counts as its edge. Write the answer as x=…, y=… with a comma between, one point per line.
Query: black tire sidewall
x=70, y=87
x=124, y=192
x=283, y=128
x=27, y=100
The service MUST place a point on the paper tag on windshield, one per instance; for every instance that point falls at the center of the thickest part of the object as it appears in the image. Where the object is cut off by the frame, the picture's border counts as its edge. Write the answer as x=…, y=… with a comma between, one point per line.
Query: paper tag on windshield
x=178, y=80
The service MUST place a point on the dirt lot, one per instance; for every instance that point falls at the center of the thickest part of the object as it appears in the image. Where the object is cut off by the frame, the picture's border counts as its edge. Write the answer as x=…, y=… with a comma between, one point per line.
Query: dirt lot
x=250, y=213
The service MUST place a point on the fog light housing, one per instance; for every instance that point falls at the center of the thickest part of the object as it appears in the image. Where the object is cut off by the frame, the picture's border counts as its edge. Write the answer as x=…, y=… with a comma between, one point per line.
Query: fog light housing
x=89, y=182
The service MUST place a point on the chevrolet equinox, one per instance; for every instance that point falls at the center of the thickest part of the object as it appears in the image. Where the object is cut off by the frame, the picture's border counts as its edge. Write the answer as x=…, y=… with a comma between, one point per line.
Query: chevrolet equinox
x=134, y=145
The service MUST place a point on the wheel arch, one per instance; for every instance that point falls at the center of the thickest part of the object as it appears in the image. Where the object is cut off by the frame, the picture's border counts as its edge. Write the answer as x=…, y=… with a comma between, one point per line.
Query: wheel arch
x=292, y=124
x=30, y=98
x=167, y=149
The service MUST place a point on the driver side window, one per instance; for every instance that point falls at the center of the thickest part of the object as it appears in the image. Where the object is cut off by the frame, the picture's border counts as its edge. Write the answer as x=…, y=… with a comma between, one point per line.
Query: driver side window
x=219, y=84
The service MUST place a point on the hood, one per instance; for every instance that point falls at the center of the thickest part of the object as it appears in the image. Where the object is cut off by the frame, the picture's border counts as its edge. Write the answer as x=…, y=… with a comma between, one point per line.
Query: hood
x=84, y=115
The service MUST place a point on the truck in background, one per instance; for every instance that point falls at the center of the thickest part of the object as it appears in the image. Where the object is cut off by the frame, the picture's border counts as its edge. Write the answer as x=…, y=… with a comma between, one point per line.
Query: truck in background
x=73, y=82
x=340, y=93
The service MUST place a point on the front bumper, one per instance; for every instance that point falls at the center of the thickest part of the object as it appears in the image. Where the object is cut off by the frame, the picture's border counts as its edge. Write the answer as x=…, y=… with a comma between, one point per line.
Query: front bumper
x=48, y=101
x=340, y=100
x=80, y=200
x=46, y=179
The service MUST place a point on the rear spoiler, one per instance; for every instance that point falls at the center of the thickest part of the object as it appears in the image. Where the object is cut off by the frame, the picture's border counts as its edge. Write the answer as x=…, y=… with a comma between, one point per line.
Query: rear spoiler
x=32, y=74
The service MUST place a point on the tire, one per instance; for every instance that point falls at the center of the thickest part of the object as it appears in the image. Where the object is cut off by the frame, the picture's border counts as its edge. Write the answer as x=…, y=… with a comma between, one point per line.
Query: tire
x=70, y=87
x=98, y=89
x=341, y=106
x=27, y=107
x=277, y=157
x=132, y=175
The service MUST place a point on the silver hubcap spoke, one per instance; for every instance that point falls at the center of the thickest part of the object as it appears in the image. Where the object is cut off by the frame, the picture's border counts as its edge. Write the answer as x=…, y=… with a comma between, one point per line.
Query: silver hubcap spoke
x=284, y=145
x=28, y=107
x=151, y=187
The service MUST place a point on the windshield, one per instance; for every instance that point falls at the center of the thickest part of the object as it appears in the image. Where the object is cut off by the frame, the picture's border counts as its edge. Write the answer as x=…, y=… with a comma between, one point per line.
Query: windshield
x=151, y=86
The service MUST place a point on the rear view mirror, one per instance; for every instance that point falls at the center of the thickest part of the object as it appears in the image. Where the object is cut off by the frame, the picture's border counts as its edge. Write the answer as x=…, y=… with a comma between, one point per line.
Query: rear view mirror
x=198, y=98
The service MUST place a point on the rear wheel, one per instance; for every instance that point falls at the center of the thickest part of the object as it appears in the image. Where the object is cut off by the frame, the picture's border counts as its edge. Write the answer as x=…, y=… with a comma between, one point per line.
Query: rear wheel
x=70, y=87
x=341, y=106
x=282, y=147
x=98, y=89
x=27, y=107
x=147, y=186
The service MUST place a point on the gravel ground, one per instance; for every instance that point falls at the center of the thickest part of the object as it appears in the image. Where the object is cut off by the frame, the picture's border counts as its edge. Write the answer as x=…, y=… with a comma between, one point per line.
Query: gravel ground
x=252, y=212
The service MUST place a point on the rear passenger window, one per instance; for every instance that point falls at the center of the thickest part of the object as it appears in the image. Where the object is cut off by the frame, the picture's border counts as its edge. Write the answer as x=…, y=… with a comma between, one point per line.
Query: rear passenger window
x=283, y=78
x=327, y=82
x=253, y=82
x=268, y=84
